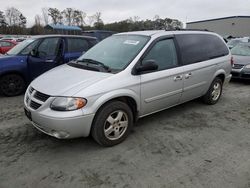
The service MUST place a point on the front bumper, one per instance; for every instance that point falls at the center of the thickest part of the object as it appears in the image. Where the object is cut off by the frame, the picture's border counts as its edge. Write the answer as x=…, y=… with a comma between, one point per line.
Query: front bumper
x=62, y=128
x=240, y=75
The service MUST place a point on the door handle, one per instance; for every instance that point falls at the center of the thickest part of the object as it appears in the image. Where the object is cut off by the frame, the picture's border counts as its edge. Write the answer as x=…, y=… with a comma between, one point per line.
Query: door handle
x=179, y=77
x=187, y=76
x=49, y=61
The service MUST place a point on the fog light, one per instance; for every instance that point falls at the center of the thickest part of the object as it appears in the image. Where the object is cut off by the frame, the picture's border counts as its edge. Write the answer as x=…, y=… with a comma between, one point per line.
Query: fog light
x=60, y=134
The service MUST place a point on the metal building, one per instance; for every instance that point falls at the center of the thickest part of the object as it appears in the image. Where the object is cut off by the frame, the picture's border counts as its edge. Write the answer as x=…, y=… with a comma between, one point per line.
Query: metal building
x=62, y=29
x=237, y=26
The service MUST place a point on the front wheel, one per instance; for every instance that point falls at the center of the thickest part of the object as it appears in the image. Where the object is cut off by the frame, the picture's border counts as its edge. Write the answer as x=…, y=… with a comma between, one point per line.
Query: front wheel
x=12, y=85
x=214, y=92
x=112, y=123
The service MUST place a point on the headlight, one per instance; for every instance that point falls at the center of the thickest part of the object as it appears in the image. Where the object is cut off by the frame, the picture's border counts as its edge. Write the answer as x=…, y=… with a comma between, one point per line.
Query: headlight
x=67, y=103
x=247, y=66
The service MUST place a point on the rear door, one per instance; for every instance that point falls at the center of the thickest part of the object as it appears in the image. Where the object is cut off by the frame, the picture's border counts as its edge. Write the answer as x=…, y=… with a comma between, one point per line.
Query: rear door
x=48, y=55
x=200, y=57
x=162, y=88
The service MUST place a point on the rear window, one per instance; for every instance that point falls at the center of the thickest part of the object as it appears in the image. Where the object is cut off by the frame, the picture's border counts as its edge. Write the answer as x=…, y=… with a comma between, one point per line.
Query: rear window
x=200, y=47
x=77, y=45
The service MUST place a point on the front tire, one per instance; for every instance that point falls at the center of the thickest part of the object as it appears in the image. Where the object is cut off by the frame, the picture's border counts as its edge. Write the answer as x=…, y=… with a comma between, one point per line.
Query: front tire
x=112, y=123
x=12, y=85
x=214, y=92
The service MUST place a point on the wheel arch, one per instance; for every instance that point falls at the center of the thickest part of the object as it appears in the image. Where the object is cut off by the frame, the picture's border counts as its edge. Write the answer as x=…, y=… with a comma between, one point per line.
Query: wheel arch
x=127, y=96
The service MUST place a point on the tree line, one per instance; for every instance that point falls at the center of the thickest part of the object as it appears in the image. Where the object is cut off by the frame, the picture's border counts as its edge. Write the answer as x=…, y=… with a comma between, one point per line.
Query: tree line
x=12, y=21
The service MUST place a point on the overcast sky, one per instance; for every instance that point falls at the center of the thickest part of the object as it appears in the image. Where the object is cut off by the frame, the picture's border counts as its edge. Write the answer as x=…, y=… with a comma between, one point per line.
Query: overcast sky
x=116, y=10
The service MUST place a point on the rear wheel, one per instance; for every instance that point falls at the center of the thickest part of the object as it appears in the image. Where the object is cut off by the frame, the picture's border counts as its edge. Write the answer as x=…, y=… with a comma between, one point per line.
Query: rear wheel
x=112, y=123
x=12, y=85
x=214, y=93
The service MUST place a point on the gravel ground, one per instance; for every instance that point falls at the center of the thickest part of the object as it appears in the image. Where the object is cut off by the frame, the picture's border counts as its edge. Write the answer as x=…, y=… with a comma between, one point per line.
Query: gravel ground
x=192, y=145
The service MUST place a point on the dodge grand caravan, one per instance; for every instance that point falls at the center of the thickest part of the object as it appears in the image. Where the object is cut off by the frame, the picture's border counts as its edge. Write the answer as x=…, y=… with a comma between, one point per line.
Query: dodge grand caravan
x=37, y=55
x=125, y=77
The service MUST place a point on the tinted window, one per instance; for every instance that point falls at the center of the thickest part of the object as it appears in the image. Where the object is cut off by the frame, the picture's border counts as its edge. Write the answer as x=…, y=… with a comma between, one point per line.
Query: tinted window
x=77, y=45
x=164, y=54
x=200, y=47
x=49, y=47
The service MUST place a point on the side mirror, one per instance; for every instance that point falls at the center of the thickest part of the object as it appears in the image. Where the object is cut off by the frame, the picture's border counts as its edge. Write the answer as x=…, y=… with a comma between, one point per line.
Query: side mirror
x=33, y=53
x=149, y=65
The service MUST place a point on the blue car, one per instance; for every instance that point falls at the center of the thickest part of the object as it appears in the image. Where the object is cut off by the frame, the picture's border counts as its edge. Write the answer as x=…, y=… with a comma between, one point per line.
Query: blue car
x=36, y=55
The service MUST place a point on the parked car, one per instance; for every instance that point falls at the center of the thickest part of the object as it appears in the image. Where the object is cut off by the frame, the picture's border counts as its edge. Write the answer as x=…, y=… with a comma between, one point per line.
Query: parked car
x=241, y=66
x=6, y=45
x=99, y=34
x=232, y=43
x=125, y=77
x=36, y=55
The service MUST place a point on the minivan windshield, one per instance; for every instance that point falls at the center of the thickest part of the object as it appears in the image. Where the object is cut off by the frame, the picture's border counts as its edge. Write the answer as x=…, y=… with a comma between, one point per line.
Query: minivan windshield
x=117, y=51
x=241, y=50
x=18, y=48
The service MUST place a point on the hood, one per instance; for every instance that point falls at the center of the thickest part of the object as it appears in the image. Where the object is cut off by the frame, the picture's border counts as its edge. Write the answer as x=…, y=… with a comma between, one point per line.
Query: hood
x=6, y=57
x=242, y=60
x=66, y=80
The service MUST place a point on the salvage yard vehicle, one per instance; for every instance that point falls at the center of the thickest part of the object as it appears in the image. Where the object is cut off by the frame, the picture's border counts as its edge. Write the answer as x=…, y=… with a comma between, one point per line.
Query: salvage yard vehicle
x=36, y=55
x=241, y=66
x=6, y=45
x=125, y=77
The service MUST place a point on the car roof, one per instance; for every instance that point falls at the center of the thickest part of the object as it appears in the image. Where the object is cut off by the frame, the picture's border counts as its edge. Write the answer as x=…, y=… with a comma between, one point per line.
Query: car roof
x=66, y=36
x=164, y=32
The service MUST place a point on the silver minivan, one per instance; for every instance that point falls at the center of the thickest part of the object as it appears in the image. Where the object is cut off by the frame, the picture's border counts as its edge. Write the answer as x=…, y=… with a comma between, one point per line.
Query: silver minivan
x=125, y=77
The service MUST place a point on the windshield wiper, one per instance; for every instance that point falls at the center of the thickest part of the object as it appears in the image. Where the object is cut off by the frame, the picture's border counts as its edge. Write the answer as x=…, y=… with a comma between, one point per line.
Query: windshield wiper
x=92, y=61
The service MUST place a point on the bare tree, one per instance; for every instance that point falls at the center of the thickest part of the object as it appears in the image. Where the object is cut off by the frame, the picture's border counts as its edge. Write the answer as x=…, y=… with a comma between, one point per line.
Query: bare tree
x=79, y=17
x=15, y=17
x=38, y=20
x=45, y=15
x=68, y=13
x=91, y=20
x=55, y=15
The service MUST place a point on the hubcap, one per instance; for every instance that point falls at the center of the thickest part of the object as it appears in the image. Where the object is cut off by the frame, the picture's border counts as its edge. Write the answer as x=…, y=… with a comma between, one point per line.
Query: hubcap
x=216, y=91
x=116, y=125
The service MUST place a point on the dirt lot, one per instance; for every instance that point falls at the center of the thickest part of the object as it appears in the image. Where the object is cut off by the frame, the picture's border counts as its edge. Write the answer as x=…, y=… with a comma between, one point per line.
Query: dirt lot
x=192, y=145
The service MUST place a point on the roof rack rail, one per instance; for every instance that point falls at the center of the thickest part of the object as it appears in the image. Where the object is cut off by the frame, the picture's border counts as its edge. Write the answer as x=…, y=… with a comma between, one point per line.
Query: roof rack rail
x=181, y=29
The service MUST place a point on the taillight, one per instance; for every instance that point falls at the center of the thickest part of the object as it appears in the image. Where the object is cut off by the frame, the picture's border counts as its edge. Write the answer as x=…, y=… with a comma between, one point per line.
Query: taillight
x=232, y=61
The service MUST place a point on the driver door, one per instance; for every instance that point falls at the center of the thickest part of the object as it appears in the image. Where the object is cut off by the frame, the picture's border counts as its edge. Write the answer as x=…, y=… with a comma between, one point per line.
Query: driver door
x=47, y=55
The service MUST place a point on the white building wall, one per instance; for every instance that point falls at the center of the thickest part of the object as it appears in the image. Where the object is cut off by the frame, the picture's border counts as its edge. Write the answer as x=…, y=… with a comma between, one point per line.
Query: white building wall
x=237, y=26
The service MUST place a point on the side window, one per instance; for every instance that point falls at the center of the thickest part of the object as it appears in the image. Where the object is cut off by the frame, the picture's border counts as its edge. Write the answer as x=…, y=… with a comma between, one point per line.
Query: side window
x=30, y=47
x=77, y=45
x=48, y=47
x=164, y=54
x=200, y=47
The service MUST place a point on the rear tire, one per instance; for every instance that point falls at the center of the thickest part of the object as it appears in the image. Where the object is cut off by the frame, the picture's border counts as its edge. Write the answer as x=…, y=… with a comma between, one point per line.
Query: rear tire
x=112, y=123
x=214, y=92
x=12, y=85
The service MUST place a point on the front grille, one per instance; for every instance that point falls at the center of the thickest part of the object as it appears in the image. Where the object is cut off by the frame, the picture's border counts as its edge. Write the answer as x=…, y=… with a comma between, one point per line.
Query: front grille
x=34, y=105
x=31, y=89
x=35, y=99
x=238, y=66
x=41, y=96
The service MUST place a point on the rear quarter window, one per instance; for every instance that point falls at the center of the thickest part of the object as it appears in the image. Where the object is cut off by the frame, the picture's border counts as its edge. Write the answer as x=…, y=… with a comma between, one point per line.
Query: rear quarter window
x=200, y=47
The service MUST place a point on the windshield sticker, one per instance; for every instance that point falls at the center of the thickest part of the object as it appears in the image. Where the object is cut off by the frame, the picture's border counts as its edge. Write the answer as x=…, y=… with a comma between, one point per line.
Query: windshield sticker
x=132, y=42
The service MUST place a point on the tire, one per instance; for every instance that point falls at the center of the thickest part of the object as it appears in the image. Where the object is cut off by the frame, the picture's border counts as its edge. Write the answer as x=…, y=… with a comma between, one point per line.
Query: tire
x=214, y=92
x=112, y=123
x=12, y=85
